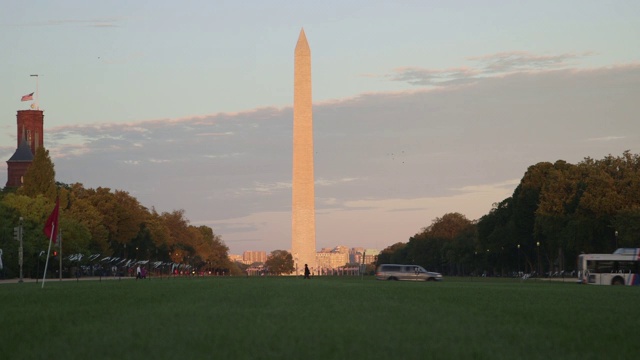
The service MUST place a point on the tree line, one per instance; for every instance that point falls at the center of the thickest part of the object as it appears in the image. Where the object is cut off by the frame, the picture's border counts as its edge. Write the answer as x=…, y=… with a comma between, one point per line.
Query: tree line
x=557, y=211
x=99, y=221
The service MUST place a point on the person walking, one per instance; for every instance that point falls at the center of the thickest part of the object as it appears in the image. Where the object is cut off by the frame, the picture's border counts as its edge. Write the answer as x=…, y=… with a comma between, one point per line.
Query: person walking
x=138, y=273
x=306, y=272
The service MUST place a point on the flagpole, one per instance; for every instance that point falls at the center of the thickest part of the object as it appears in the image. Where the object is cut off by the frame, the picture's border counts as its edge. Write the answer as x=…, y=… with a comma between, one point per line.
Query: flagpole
x=37, y=91
x=46, y=265
x=60, y=257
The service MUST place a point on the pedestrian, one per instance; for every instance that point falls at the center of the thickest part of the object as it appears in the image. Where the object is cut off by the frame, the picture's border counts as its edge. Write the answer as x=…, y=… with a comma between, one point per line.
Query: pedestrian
x=138, y=273
x=306, y=272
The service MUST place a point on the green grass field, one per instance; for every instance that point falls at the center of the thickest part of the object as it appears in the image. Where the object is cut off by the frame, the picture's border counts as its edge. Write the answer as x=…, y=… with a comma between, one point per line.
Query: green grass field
x=321, y=318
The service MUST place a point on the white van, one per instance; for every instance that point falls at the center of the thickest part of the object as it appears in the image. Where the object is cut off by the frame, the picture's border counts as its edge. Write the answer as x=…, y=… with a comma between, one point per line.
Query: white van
x=406, y=272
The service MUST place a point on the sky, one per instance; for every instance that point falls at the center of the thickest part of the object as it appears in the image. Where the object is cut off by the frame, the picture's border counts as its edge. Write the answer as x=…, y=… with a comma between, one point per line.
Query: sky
x=421, y=108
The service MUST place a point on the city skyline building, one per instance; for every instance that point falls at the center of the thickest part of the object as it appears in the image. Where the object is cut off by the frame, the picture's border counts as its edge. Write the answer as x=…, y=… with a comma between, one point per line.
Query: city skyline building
x=303, y=228
x=250, y=257
x=326, y=258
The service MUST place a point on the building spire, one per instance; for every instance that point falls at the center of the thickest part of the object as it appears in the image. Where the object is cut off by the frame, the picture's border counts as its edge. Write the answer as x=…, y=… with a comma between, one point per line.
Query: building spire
x=302, y=47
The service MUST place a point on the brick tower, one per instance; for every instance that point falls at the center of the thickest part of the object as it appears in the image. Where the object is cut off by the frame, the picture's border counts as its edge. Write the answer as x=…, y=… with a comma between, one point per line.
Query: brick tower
x=30, y=137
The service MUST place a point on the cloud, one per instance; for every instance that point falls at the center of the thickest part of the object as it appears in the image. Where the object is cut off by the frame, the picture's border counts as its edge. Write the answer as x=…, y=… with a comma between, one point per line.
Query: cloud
x=268, y=189
x=507, y=62
x=487, y=65
x=328, y=182
x=480, y=188
x=216, y=134
x=606, y=138
x=422, y=76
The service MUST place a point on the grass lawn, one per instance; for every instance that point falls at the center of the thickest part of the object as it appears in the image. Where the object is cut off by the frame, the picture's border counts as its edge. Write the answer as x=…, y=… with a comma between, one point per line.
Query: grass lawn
x=321, y=318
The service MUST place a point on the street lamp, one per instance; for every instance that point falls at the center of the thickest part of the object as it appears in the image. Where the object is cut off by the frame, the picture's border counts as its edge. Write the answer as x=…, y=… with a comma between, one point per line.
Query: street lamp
x=20, y=249
x=616, y=234
x=475, y=263
x=518, y=259
x=538, y=251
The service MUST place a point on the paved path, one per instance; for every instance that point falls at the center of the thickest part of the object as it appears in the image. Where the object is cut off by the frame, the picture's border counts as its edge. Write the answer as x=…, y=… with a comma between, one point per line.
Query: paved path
x=84, y=278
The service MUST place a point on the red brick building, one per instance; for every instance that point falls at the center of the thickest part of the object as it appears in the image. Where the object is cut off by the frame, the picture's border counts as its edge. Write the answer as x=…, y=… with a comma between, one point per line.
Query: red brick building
x=30, y=137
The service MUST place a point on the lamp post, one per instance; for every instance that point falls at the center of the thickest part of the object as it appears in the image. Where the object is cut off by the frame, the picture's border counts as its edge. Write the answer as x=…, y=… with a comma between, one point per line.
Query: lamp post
x=616, y=234
x=20, y=249
x=475, y=264
x=518, y=259
x=484, y=272
x=38, y=263
x=538, y=251
x=157, y=264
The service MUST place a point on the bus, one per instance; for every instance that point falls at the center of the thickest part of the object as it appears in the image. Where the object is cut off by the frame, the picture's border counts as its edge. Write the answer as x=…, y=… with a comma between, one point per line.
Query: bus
x=619, y=268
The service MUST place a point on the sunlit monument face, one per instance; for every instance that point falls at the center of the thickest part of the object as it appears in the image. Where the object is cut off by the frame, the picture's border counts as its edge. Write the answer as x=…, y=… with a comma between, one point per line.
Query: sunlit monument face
x=303, y=222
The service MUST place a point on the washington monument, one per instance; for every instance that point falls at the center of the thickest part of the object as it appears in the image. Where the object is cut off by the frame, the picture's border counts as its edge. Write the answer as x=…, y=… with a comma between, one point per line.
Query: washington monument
x=303, y=218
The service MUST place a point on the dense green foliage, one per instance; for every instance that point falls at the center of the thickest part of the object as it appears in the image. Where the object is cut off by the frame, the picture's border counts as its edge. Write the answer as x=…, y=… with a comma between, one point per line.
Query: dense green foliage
x=280, y=262
x=40, y=176
x=556, y=212
x=98, y=221
x=325, y=318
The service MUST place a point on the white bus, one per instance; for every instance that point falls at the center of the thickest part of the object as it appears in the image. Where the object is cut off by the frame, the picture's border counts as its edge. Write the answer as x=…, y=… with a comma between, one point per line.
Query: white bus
x=619, y=268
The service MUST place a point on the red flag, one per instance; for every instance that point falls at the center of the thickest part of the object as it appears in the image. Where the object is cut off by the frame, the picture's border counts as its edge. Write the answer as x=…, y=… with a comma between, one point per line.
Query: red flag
x=51, y=226
x=27, y=97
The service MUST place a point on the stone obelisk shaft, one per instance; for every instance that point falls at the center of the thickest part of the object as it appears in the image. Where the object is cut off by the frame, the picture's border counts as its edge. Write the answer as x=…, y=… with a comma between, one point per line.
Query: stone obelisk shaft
x=303, y=223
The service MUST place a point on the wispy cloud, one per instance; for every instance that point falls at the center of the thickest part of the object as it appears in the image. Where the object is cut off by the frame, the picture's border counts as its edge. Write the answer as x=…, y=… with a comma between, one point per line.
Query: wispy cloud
x=506, y=62
x=267, y=189
x=422, y=76
x=216, y=134
x=508, y=184
x=606, y=138
x=487, y=65
x=327, y=182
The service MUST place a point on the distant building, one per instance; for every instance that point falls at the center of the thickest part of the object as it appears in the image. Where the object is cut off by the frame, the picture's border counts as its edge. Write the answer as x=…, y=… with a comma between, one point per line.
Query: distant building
x=332, y=258
x=355, y=255
x=341, y=249
x=250, y=257
x=371, y=255
x=234, y=257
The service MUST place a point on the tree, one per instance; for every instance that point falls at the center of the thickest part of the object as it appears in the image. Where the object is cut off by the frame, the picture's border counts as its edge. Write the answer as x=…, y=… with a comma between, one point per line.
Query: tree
x=434, y=248
x=40, y=178
x=179, y=241
x=122, y=217
x=209, y=249
x=392, y=254
x=34, y=212
x=81, y=209
x=280, y=262
x=448, y=226
x=158, y=229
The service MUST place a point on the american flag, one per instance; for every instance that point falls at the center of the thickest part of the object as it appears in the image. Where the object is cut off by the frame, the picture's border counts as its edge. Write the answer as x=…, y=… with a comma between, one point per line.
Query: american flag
x=27, y=97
